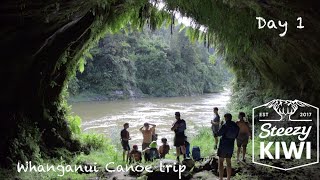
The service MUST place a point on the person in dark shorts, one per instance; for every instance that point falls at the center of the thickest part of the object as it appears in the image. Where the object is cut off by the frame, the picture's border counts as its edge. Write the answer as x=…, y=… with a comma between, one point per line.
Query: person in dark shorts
x=215, y=125
x=229, y=132
x=179, y=126
x=125, y=137
x=243, y=137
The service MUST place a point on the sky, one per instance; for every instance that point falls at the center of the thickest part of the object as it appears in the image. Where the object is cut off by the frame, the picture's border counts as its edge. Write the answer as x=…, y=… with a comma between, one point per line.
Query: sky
x=181, y=19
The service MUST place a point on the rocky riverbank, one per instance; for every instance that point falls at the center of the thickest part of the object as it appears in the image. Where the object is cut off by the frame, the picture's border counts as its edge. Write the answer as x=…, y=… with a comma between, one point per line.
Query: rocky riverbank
x=207, y=168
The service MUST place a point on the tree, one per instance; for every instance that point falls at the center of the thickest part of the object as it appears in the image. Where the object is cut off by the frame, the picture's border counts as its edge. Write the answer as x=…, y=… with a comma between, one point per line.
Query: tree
x=157, y=63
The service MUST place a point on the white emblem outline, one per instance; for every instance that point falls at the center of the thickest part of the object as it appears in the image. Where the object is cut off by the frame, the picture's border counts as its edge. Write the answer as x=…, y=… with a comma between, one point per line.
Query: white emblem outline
x=285, y=169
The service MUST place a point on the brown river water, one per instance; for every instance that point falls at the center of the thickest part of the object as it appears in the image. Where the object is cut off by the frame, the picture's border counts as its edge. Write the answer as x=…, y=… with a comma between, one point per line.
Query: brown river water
x=108, y=117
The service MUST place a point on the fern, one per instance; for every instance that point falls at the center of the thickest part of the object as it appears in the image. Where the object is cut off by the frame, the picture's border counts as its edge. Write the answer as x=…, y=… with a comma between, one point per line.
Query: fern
x=81, y=64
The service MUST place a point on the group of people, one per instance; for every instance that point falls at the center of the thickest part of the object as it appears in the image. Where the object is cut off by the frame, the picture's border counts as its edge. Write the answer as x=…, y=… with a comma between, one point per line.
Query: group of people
x=149, y=142
x=229, y=132
x=150, y=151
x=227, y=129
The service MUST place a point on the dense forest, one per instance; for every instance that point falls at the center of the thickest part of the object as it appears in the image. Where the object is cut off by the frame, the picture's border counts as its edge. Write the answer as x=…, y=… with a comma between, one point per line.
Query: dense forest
x=148, y=63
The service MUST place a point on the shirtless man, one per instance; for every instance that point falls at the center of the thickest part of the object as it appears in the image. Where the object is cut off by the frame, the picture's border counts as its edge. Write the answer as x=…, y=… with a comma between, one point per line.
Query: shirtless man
x=147, y=132
x=243, y=137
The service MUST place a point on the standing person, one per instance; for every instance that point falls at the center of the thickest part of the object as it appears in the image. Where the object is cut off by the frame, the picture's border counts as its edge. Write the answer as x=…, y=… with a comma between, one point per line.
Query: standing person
x=125, y=137
x=179, y=126
x=229, y=132
x=243, y=137
x=215, y=125
x=147, y=134
x=164, y=148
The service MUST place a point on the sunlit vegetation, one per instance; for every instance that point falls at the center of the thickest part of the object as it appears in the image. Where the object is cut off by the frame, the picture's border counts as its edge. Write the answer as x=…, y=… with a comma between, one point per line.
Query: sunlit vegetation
x=263, y=63
x=204, y=140
x=150, y=63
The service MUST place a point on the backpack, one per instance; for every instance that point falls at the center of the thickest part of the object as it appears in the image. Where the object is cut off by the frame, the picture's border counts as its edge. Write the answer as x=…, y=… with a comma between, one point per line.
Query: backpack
x=196, y=153
x=232, y=131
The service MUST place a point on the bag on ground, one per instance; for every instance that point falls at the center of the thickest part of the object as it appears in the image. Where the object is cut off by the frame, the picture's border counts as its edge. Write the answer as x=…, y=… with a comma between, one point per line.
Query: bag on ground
x=196, y=153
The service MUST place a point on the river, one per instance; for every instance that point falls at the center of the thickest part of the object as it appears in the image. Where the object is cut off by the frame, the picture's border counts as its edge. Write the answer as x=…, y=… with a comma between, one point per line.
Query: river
x=108, y=117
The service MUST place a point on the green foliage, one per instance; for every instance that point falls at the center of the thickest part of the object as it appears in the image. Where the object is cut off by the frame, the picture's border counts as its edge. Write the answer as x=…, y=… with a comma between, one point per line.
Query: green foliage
x=75, y=124
x=212, y=59
x=98, y=148
x=155, y=63
x=94, y=141
x=203, y=139
x=25, y=145
x=81, y=64
x=259, y=58
x=102, y=152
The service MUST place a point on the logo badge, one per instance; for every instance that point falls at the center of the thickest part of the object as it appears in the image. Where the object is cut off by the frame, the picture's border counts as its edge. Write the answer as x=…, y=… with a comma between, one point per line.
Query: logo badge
x=285, y=134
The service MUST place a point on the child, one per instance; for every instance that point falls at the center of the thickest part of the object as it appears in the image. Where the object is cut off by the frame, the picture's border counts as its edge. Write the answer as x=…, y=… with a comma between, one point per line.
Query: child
x=125, y=137
x=135, y=154
x=164, y=148
x=151, y=152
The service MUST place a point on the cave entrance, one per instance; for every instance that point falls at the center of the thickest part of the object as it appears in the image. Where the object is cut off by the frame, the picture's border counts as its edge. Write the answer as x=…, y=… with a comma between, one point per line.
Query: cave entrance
x=42, y=43
x=147, y=76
